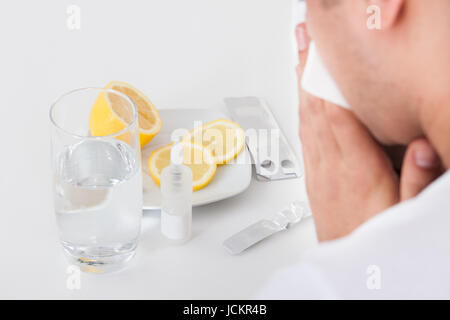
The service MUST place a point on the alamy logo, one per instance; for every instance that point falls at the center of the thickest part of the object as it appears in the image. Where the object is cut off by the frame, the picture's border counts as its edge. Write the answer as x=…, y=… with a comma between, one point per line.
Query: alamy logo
x=73, y=17
x=374, y=279
x=374, y=20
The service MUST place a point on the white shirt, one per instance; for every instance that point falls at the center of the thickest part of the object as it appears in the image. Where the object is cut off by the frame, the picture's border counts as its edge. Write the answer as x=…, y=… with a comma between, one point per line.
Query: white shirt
x=402, y=253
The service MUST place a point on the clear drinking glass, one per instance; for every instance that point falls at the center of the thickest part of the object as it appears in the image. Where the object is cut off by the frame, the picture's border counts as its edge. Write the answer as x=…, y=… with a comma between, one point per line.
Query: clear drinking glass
x=97, y=179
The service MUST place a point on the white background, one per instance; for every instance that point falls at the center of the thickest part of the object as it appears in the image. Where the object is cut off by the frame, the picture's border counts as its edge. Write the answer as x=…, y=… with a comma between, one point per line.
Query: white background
x=181, y=54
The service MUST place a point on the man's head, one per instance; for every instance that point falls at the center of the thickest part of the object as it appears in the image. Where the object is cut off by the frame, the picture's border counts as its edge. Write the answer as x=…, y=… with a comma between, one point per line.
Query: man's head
x=389, y=75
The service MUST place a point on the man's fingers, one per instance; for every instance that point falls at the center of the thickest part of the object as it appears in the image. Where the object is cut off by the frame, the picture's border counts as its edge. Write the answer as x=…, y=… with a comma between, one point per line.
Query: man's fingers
x=352, y=136
x=325, y=140
x=310, y=151
x=303, y=40
x=421, y=166
x=308, y=140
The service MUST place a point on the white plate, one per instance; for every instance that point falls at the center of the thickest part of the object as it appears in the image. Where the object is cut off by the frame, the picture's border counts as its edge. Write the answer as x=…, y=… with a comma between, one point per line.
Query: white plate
x=229, y=180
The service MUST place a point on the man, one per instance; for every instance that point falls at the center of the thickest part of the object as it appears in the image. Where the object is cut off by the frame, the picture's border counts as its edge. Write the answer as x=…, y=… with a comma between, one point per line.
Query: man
x=382, y=235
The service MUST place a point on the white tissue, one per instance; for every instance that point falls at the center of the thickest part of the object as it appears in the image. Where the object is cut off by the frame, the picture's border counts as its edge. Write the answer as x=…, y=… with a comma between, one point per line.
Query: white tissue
x=317, y=81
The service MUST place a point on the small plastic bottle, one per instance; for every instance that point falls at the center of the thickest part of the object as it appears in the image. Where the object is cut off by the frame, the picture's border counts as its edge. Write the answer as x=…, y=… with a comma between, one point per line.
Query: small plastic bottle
x=176, y=191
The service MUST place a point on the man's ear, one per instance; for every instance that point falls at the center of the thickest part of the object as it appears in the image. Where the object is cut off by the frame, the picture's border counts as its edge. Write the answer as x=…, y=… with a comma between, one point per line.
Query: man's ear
x=389, y=11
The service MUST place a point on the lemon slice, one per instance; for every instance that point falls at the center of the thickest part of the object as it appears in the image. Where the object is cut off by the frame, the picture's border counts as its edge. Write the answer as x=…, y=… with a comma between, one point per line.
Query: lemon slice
x=108, y=115
x=199, y=159
x=223, y=137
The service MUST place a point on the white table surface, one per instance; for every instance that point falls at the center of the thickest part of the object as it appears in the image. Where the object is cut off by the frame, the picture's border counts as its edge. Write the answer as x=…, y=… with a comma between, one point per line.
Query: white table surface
x=182, y=54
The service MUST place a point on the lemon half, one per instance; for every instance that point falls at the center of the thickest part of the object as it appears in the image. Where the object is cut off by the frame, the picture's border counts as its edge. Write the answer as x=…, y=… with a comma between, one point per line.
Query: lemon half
x=109, y=114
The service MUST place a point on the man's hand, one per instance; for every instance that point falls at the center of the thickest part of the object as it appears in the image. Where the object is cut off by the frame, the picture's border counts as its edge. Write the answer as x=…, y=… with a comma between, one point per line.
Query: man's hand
x=349, y=177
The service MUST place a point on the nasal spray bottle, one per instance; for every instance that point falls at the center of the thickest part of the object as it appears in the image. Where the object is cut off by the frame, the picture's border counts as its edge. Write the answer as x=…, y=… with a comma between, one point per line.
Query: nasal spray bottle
x=176, y=191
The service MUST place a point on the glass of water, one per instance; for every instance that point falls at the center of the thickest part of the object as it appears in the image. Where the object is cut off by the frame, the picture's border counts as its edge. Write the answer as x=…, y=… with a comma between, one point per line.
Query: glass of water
x=97, y=179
